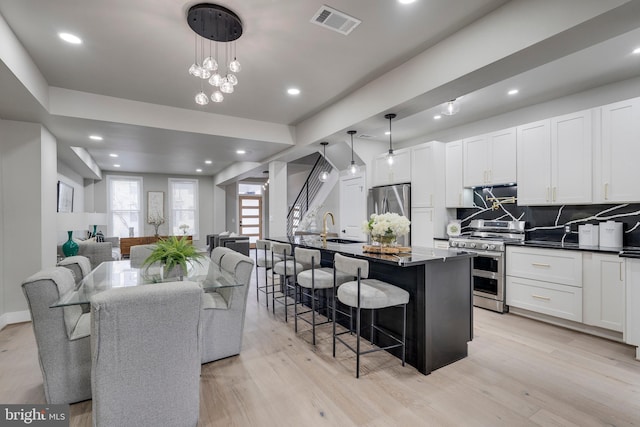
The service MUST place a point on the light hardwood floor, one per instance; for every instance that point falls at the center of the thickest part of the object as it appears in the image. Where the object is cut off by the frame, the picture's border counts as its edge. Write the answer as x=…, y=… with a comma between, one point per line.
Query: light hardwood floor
x=519, y=372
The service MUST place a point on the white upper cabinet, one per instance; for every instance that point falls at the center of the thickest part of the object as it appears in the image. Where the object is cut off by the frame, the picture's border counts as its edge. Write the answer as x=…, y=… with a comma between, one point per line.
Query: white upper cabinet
x=490, y=159
x=423, y=178
x=616, y=166
x=555, y=160
x=456, y=196
x=397, y=173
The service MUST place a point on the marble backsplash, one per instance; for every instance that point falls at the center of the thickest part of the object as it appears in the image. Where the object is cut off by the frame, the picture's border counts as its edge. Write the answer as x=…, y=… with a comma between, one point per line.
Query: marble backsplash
x=548, y=222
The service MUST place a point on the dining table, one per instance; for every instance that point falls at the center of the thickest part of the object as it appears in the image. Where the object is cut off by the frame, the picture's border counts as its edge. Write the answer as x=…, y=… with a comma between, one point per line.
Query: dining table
x=121, y=274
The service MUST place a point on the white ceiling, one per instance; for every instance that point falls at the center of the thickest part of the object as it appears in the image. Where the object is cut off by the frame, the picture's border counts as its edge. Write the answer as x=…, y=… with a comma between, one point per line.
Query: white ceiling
x=140, y=50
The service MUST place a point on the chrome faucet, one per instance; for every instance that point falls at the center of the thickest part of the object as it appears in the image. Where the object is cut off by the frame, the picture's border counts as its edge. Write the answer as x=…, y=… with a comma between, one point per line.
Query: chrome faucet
x=324, y=227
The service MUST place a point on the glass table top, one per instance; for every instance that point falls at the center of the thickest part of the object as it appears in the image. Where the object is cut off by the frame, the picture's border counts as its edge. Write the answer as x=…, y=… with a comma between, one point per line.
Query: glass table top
x=120, y=274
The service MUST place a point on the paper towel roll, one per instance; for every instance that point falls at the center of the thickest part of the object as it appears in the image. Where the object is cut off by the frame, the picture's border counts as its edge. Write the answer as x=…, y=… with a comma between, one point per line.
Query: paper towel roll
x=611, y=234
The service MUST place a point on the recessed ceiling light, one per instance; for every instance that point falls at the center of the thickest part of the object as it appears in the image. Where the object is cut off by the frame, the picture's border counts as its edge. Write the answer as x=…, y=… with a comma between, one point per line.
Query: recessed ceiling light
x=96, y=137
x=636, y=50
x=437, y=117
x=208, y=162
x=513, y=91
x=406, y=1
x=293, y=91
x=116, y=166
x=387, y=133
x=113, y=155
x=198, y=170
x=241, y=151
x=70, y=38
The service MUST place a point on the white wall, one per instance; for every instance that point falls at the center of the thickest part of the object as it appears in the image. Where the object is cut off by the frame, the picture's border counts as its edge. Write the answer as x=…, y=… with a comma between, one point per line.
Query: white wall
x=277, y=199
x=159, y=182
x=231, y=209
x=28, y=229
x=70, y=177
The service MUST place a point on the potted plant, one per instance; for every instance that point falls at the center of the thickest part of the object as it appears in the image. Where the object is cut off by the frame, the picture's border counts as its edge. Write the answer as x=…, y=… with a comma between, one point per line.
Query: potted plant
x=174, y=254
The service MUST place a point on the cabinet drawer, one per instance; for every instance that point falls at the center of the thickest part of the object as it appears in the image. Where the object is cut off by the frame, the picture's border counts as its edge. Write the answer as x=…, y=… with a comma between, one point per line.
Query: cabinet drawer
x=550, y=265
x=543, y=297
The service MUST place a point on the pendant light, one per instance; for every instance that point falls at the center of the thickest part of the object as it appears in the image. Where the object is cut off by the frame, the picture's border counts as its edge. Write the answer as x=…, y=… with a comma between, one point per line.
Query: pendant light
x=353, y=168
x=324, y=175
x=390, y=155
x=450, y=108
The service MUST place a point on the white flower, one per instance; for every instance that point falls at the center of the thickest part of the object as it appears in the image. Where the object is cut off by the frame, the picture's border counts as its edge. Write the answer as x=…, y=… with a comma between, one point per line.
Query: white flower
x=386, y=224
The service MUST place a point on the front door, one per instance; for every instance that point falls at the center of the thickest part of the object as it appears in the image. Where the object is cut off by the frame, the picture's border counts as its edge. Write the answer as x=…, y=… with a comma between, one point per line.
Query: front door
x=250, y=214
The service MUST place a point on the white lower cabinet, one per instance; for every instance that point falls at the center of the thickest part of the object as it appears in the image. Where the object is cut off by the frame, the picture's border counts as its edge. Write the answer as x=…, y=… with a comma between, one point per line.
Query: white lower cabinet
x=548, y=298
x=547, y=281
x=631, y=331
x=604, y=291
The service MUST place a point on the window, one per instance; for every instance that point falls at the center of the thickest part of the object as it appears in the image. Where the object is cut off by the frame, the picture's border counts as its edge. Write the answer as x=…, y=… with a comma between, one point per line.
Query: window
x=183, y=207
x=125, y=205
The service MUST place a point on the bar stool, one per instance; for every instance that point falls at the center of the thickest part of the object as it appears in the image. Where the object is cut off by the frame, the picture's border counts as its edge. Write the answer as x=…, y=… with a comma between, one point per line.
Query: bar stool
x=313, y=279
x=264, y=259
x=286, y=268
x=370, y=294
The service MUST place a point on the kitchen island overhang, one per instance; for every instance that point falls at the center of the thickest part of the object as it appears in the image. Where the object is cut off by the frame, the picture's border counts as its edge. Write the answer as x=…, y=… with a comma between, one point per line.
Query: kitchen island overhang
x=440, y=309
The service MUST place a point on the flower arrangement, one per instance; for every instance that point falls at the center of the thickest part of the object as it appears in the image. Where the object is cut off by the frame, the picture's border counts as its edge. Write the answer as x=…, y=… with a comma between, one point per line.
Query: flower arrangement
x=385, y=227
x=156, y=221
x=184, y=228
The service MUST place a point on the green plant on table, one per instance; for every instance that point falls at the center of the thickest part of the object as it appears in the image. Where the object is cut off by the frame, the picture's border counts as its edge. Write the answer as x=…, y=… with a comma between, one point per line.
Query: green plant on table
x=174, y=251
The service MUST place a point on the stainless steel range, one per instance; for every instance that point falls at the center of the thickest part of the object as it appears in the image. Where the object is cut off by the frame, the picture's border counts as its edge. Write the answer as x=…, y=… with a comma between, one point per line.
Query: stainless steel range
x=487, y=239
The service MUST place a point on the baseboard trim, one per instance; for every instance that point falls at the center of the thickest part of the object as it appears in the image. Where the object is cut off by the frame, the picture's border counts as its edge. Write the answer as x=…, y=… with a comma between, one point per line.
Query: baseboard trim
x=14, y=317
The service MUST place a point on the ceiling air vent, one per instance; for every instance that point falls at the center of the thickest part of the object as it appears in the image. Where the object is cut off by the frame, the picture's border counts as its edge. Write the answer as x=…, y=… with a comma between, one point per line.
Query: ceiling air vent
x=335, y=20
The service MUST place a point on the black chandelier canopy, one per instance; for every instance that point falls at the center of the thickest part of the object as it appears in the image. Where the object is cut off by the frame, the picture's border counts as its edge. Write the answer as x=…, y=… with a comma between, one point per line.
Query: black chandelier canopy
x=214, y=22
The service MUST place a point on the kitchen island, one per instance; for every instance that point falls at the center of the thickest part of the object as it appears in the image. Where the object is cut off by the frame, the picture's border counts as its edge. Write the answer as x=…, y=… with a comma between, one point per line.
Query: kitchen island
x=440, y=309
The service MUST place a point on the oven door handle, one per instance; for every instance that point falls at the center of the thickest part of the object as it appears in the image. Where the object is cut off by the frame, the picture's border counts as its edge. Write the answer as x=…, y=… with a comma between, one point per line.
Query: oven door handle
x=486, y=274
x=482, y=253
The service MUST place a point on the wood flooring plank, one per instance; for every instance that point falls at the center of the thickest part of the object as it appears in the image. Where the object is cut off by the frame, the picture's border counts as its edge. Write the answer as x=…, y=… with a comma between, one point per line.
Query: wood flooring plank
x=519, y=372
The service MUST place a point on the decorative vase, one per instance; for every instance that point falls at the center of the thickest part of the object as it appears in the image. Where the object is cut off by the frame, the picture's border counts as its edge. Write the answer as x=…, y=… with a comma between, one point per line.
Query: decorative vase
x=70, y=248
x=95, y=229
x=174, y=273
x=384, y=239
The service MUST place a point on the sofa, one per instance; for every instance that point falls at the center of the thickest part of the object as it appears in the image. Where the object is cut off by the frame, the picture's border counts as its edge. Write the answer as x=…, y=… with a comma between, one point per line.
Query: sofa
x=97, y=252
x=228, y=240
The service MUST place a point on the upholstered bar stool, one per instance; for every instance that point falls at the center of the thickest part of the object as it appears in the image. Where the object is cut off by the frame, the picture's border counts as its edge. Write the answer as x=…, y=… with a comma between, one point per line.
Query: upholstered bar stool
x=264, y=259
x=314, y=279
x=287, y=268
x=370, y=294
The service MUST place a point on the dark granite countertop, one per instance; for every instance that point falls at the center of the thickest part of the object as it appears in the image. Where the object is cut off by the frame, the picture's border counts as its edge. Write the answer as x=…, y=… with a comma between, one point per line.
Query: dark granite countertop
x=627, y=251
x=417, y=256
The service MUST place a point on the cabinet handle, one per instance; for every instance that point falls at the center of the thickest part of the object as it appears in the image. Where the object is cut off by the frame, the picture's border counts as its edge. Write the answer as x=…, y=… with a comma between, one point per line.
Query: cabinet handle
x=620, y=264
x=459, y=199
x=541, y=297
x=490, y=175
x=484, y=177
x=548, y=192
x=554, y=194
x=430, y=199
x=537, y=264
x=606, y=190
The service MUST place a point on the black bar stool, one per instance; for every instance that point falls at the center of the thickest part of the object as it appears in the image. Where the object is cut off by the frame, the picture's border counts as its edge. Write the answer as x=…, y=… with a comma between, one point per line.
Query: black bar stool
x=264, y=259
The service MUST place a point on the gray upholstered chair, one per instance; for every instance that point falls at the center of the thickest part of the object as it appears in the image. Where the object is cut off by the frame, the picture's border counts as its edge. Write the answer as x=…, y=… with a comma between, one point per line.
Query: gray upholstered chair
x=62, y=336
x=79, y=265
x=372, y=294
x=224, y=310
x=145, y=349
x=139, y=253
x=264, y=259
x=315, y=278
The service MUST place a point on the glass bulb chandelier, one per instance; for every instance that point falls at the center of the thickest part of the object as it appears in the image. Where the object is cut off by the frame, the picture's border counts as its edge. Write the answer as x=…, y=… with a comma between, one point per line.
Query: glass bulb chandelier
x=217, y=24
x=353, y=168
x=324, y=175
x=390, y=154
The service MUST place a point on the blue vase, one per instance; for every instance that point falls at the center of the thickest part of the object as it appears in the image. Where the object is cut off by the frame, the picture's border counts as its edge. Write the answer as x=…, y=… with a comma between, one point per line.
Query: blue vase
x=70, y=248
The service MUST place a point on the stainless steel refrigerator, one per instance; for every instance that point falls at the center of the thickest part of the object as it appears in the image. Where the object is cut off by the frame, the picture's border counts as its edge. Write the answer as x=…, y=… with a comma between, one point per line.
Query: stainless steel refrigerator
x=392, y=198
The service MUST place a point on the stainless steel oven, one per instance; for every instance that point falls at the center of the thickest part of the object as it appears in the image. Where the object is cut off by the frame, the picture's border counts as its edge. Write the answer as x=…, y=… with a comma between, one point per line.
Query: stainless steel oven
x=487, y=240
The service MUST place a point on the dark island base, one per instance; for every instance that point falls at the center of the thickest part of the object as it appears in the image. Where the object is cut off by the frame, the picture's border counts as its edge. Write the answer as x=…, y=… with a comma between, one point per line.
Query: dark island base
x=439, y=313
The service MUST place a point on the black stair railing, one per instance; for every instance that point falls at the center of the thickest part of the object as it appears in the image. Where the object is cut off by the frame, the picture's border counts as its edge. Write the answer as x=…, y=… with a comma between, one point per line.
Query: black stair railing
x=308, y=192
